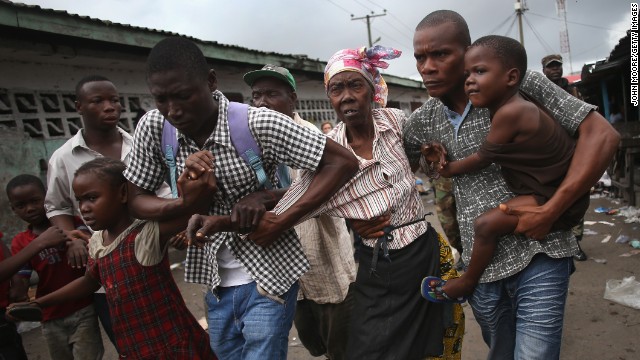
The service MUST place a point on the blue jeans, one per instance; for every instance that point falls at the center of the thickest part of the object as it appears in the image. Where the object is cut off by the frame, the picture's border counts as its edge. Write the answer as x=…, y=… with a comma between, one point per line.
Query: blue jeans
x=246, y=323
x=521, y=316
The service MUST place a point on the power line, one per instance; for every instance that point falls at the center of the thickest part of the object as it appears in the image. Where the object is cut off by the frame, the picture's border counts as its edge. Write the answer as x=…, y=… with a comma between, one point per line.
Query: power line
x=364, y=6
x=501, y=25
x=577, y=23
x=511, y=26
x=398, y=30
x=401, y=22
x=592, y=48
x=388, y=23
x=391, y=38
x=544, y=44
x=343, y=9
x=374, y=4
x=368, y=18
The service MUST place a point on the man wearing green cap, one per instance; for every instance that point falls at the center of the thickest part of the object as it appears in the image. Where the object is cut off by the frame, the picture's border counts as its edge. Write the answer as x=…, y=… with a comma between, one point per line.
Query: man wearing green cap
x=324, y=301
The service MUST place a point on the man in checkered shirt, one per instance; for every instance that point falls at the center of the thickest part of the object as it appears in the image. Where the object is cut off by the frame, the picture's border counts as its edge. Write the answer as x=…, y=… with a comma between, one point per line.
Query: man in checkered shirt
x=520, y=301
x=252, y=289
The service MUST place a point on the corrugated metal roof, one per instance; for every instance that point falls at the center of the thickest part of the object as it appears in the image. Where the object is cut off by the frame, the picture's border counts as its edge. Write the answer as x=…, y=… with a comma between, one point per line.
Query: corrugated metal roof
x=36, y=18
x=620, y=55
x=145, y=29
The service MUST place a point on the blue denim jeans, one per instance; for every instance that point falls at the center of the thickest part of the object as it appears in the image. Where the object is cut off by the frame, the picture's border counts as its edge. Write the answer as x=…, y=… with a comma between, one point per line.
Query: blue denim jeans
x=521, y=316
x=246, y=323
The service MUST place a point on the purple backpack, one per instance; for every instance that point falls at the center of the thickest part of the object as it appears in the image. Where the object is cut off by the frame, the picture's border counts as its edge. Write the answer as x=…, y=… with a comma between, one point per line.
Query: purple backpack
x=241, y=138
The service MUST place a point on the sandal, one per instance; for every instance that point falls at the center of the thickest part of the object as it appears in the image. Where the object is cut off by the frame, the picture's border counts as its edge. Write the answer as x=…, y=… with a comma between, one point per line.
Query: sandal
x=431, y=290
x=30, y=311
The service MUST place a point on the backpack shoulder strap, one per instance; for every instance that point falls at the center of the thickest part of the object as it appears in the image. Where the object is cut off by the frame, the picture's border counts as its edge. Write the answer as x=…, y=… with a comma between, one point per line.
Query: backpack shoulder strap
x=169, y=146
x=244, y=142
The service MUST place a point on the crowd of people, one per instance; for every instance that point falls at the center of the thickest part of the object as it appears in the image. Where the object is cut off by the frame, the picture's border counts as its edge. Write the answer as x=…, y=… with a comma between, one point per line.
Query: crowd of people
x=215, y=176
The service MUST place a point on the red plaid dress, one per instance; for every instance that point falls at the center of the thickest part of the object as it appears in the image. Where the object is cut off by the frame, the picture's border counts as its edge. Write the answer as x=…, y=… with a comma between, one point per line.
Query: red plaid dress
x=150, y=319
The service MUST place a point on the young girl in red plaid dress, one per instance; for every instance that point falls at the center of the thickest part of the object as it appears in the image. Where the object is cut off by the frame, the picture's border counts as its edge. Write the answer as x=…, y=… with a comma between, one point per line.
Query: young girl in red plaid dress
x=129, y=258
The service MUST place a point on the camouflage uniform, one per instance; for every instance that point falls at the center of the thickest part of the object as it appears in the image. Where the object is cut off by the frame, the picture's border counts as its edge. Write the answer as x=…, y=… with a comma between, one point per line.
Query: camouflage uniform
x=446, y=209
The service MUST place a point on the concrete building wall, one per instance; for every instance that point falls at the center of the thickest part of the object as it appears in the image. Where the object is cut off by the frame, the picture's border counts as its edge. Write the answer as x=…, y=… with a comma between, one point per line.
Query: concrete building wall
x=39, y=71
x=20, y=154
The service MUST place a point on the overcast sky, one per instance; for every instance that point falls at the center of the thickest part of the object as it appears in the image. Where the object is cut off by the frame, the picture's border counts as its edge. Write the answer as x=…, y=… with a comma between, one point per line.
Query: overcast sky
x=318, y=28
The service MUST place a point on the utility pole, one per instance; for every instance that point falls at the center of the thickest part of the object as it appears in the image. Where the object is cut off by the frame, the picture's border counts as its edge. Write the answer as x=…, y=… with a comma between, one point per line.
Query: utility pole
x=520, y=7
x=368, y=18
x=564, y=32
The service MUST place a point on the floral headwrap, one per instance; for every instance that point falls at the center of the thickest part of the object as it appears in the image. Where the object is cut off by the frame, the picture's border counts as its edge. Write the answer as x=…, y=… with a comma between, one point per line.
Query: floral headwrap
x=366, y=62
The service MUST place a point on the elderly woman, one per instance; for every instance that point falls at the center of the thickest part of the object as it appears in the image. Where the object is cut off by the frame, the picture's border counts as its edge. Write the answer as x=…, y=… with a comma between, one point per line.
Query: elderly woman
x=390, y=319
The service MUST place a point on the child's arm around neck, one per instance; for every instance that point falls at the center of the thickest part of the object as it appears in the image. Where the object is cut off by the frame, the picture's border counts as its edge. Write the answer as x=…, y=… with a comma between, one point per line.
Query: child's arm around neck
x=514, y=121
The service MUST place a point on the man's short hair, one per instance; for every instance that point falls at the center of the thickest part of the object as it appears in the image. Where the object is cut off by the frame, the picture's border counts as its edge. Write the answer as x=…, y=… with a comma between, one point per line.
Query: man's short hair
x=177, y=53
x=440, y=17
x=25, y=179
x=550, y=59
x=88, y=79
x=509, y=51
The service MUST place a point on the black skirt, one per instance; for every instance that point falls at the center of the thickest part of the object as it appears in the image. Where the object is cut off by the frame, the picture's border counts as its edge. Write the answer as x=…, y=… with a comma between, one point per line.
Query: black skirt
x=390, y=319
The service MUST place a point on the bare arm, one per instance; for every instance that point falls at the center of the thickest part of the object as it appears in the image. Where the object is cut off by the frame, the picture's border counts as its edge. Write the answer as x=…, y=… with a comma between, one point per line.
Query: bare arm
x=196, y=198
x=77, y=289
x=246, y=214
x=144, y=204
x=513, y=120
x=244, y=218
x=51, y=237
x=467, y=165
x=64, y=222
x=77, y=245
x=336, y=167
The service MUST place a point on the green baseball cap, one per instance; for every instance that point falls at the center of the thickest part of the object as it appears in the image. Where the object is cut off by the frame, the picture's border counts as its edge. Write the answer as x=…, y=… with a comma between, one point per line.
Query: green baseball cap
x=273, y=71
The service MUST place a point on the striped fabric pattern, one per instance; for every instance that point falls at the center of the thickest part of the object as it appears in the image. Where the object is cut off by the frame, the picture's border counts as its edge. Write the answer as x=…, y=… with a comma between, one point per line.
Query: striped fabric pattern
x=384, y=184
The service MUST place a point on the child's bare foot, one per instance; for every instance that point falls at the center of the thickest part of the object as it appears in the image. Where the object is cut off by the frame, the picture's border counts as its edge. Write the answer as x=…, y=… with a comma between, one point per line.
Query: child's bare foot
x=459, y=287
x=432, y=289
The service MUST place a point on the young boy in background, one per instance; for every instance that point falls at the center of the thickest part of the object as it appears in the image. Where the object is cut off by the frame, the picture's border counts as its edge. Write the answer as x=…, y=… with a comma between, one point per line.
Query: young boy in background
x=70, y=329
x=98, y=102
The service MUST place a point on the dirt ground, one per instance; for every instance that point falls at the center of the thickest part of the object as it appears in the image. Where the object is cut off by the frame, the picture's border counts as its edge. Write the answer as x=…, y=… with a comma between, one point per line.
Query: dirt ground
x=594, y=328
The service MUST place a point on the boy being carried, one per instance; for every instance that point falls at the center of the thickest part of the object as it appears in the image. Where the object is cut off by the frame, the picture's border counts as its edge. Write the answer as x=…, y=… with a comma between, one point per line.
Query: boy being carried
x=531, y=147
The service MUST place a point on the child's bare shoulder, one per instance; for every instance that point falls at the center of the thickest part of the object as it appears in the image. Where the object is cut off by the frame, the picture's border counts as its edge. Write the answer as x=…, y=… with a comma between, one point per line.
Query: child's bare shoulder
x=516, y=109
x=516, y=106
